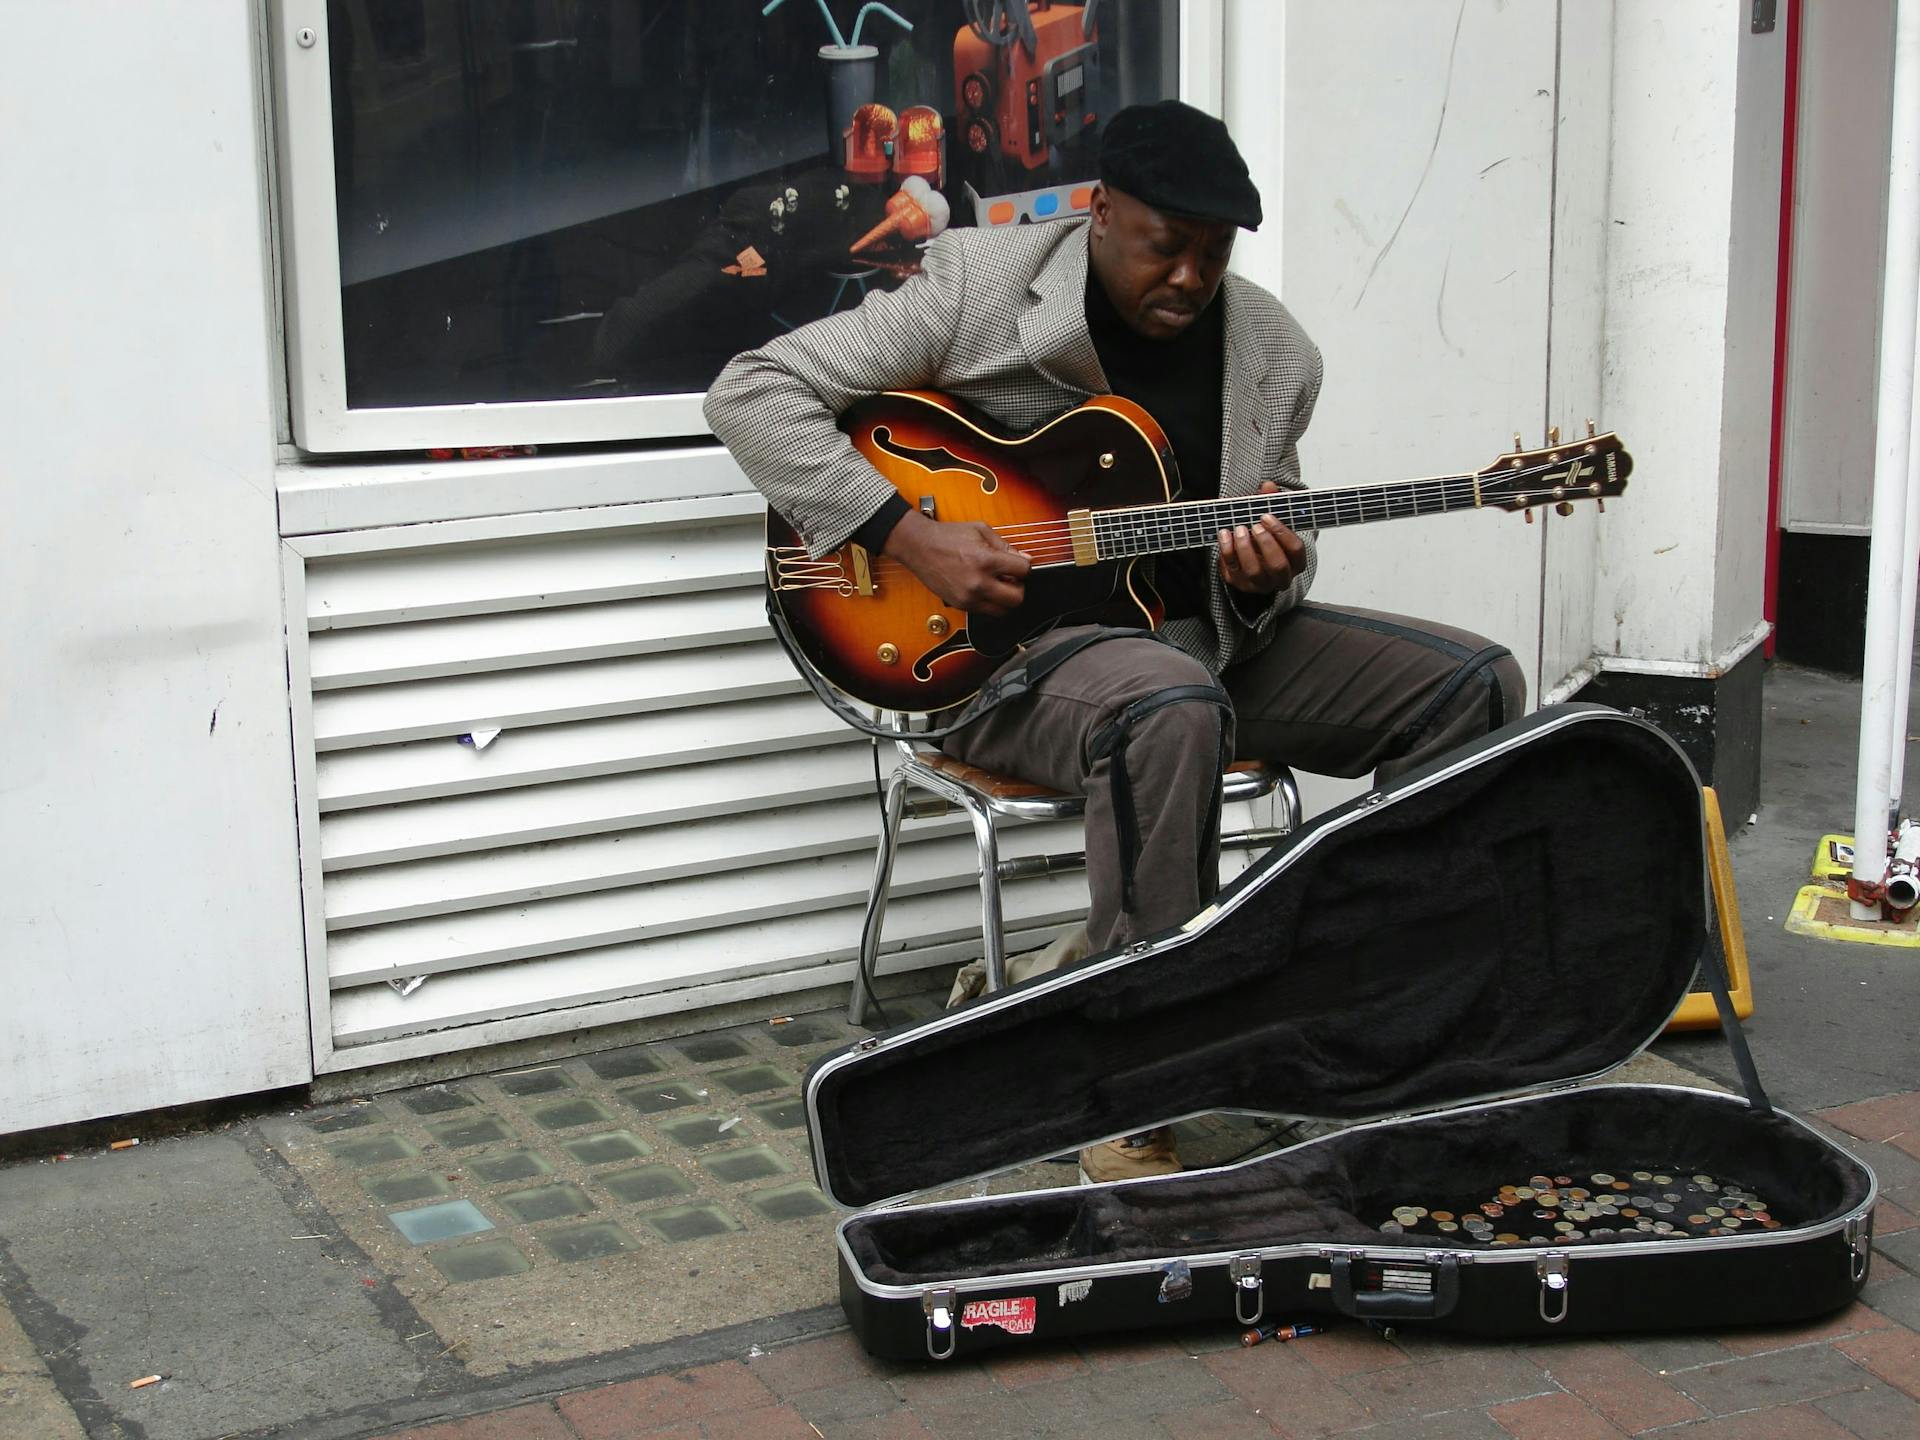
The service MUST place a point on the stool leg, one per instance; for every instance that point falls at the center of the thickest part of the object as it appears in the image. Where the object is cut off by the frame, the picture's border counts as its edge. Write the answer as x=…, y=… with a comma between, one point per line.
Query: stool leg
x=1289, y=795
x=994, y=953
x=877, y=897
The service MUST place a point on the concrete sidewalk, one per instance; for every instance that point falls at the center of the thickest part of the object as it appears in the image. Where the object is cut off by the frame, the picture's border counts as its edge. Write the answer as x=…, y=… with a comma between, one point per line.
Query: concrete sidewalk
x=627, y=1243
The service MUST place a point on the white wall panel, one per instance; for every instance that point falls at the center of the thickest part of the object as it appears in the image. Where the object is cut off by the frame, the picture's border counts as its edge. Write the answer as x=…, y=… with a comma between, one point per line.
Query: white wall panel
x=1417, y=241
x=150, y=945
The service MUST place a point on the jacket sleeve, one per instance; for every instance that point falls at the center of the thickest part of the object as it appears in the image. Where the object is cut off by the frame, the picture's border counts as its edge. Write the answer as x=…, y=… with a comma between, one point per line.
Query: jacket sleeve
x=1257, y=612
x=775, y=408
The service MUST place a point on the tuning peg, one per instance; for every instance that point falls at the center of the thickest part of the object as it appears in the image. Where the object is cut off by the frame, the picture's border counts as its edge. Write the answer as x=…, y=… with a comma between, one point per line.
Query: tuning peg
x=1602, y=506
x=1590, y=431
x=1517, y=446
x=1565, y=507
x=1553, y=435
x=1529, y=515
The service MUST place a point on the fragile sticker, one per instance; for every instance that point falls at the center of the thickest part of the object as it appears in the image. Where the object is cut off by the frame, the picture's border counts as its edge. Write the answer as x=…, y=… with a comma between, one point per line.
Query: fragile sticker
x=1016, y=1314
x=1075, y=1290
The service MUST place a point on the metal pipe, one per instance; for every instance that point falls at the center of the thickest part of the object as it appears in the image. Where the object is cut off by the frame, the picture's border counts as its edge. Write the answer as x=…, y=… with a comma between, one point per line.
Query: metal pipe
x=1892, y=549
x=1909, y=586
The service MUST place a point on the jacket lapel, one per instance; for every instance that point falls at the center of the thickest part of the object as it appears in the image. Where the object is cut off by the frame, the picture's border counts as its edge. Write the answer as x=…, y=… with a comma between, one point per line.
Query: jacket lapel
x=1053, y=329
x=1242, y=446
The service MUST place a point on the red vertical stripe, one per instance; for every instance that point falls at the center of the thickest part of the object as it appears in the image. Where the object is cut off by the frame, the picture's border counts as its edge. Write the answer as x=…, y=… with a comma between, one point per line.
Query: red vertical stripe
x=1783, y=294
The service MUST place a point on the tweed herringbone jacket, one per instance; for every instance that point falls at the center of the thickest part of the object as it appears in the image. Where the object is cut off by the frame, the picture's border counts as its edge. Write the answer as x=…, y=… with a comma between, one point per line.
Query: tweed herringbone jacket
x=998, y=318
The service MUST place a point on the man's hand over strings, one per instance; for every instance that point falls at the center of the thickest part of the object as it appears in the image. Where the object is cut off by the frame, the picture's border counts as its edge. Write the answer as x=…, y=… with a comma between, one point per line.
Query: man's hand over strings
x=1260, y=558
x=964, y=562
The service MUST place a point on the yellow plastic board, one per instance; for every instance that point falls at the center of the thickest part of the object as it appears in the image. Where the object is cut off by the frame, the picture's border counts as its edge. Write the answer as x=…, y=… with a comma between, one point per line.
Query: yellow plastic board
x=1697, y=1011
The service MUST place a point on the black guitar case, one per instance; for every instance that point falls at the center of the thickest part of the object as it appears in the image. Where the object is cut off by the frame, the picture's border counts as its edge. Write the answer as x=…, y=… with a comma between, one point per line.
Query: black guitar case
x=1444, y=961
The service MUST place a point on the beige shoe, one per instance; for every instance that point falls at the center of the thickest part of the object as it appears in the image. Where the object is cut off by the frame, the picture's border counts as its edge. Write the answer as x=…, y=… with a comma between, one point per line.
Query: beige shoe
x=1150, y=1152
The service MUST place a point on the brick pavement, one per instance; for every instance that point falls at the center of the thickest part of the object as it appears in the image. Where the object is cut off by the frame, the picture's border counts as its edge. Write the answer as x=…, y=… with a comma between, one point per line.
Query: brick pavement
x=1851, y=1376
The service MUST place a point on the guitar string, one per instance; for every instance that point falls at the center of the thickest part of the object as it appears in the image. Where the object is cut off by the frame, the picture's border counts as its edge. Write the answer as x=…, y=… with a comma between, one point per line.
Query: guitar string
x=1189, y=512
x=1164, y=528
x=1192, y=525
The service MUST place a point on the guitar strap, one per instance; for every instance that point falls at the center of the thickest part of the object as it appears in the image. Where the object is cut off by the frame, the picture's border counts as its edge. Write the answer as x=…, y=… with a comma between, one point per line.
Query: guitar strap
x=1007, y=684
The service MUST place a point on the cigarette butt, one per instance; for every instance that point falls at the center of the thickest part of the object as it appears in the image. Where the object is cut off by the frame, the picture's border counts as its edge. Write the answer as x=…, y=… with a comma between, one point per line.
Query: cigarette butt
x=782, y=1020
x=123, y=1145
x=144, y=1381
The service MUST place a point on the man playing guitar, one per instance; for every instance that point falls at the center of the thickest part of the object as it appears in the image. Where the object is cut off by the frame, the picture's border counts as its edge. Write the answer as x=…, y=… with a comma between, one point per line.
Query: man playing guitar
x=1134, y=301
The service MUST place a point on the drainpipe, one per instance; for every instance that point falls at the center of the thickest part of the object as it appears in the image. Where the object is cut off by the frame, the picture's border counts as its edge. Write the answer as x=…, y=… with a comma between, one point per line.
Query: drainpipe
x=1895, y=550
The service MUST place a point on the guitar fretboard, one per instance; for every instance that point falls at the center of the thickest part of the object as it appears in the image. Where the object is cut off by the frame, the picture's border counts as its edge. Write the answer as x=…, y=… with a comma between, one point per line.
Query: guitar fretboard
x=1192, y=524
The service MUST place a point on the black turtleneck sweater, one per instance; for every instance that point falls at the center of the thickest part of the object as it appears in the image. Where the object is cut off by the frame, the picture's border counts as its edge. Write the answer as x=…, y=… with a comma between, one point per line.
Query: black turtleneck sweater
x=1179, y=382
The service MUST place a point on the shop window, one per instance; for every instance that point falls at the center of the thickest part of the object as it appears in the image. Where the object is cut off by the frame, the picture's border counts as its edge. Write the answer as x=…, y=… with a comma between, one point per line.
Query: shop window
x=551, y=220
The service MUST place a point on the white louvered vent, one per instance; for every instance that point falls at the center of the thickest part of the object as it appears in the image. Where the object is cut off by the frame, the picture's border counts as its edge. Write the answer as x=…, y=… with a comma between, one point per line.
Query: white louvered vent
x=667, y=818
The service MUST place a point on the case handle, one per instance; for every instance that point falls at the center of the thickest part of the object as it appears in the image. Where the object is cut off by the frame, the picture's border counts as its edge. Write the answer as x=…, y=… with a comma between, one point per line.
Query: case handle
x=1244, y=1271
x=940, y=1306
x=1442, y=1294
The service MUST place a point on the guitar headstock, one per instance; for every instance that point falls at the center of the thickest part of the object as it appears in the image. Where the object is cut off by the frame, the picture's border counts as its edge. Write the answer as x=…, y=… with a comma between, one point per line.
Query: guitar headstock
x=1593, y=467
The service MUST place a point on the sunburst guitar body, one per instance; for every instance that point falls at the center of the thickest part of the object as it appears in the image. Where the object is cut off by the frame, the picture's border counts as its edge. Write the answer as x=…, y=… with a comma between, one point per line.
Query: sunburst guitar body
x=866, y=624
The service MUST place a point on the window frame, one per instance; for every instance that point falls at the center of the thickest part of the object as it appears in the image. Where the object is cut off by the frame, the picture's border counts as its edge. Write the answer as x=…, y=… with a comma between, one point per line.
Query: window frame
x=309, y=247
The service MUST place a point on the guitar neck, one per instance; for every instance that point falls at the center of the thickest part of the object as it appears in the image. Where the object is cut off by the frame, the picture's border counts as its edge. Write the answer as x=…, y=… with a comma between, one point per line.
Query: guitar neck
x=1194, y=524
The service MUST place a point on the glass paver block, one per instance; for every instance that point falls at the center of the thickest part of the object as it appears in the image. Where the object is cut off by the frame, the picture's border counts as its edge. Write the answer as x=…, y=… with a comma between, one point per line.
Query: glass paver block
x=711, y=1049
x=624, y=1064
x=606, y=1147
x=690, y=1222
x=484, y=1260
x=804, y=1032
x=697, y=1129
x=372, y=1149
x=789, y=1202
x=648, y=1182
x=546, y=1202
x=581, y=1110
x=343, y=1120
x=435, y=1100
x=788, y=1114
x=510, y=1165
x=468, y=1130
x=588, y=1242
x=652, y=1099
x=737, y=1165
x=399, y=1189
x=756, y=1079
x=447, y=1221
x=534, y=1082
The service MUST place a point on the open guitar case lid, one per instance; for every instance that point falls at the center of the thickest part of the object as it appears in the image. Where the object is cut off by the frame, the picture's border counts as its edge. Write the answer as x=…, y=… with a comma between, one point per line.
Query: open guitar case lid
x=1523, y=915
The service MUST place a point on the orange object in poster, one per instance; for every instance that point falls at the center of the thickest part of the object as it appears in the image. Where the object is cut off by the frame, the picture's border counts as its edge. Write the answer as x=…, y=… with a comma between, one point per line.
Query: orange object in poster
x=920, y=145
x=1021, y=102
x=873, y=128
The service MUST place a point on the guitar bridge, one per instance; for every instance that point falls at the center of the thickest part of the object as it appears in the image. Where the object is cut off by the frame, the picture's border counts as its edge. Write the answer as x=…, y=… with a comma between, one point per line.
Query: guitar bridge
x=791, y=568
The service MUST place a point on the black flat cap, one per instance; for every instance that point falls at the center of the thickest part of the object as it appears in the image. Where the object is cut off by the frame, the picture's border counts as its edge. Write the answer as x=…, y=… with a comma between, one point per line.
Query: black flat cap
x=1180, y=160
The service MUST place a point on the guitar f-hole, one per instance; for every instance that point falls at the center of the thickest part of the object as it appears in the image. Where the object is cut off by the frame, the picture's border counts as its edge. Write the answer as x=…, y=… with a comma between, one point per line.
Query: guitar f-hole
x=952, y=645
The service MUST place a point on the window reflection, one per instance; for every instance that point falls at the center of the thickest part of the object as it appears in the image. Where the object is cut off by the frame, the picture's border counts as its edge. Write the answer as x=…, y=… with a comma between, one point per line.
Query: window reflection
x=553, y=199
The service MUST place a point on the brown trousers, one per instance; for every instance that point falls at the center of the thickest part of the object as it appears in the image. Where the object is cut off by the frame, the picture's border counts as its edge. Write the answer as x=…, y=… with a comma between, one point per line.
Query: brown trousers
x=1338, y=692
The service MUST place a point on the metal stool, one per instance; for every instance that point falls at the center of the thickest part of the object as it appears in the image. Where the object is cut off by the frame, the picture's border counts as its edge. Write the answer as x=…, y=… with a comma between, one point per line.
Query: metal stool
x=987, y=797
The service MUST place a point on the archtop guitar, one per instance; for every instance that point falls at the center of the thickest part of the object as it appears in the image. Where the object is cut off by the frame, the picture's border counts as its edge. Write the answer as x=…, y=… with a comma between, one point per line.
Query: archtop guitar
x=1085, y=497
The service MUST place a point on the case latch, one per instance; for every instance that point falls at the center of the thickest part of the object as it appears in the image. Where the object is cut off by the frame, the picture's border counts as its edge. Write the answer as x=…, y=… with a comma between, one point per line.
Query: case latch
x=939, y=1308
x=1555, y=1269
x=1859, y=1233
x=1244, y=1271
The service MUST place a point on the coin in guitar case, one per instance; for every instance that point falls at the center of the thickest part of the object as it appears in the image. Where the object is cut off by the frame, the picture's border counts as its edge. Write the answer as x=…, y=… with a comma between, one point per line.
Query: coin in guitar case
x=1441, y=1215
x=1630, y=1212
x=1507, y=1237
x=1601, y=1179
x=1698, y=1220
x=1663, y=1179
x=1563, y=1179
x=1563, y=1225
x=1715, y=1211
x=1733, y=1223
x=1643, y=1174
x=1392, y=1227
x=1446, y=1227
x=1549, y=1199
x=1663, y=1207
x=1524, y=1192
